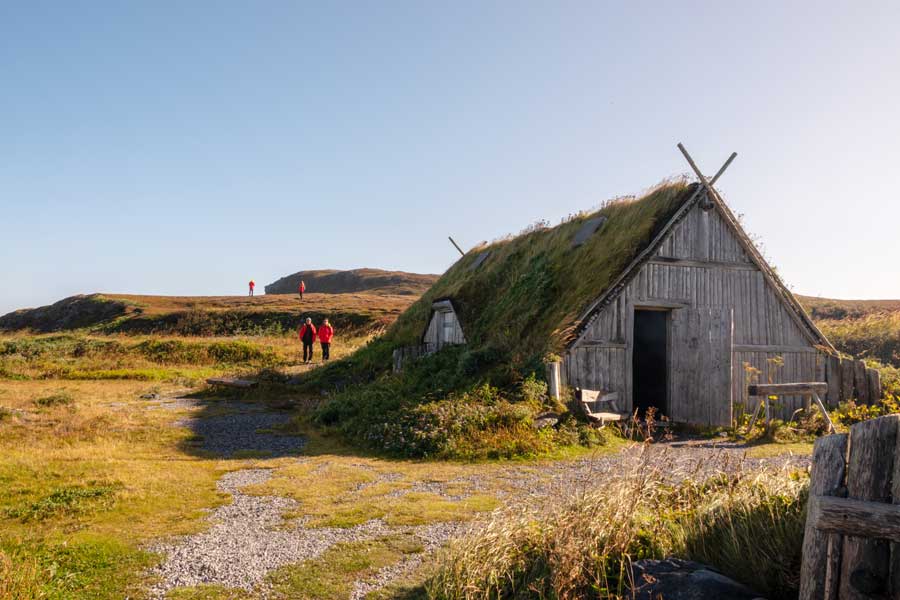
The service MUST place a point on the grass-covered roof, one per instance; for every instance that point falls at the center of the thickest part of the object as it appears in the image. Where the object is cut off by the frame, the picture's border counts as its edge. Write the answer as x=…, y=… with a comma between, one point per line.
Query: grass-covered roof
x=528, y=293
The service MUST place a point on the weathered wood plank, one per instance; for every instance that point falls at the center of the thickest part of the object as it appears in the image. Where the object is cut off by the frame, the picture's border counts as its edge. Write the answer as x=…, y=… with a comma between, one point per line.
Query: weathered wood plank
x=865, y=562
x=702, y=263
x=860, y=381
x=773, y=348
x=847, y=380
x=821, y=551
x=787, y=389
x=874, y=379
x=833, y=377
x=877, y=520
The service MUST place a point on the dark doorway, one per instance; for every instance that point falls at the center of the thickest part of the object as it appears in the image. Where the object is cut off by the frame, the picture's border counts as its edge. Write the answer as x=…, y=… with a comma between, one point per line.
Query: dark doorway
x=649, y=372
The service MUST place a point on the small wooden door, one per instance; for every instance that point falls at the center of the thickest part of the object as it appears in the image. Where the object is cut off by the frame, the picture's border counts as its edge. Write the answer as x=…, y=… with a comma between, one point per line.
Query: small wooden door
x=700, y=366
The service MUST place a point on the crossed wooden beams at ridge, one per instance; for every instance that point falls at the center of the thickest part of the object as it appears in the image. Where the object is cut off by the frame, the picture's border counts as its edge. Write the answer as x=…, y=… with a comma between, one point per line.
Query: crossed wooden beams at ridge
x=707, y=184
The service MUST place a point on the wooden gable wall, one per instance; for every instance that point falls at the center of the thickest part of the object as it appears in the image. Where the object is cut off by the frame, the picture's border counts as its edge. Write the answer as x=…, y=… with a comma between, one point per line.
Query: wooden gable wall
x=701, y=263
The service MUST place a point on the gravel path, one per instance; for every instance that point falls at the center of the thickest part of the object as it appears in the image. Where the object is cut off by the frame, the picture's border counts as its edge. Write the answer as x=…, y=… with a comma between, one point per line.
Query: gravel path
x=247, y=538
x=245, y=541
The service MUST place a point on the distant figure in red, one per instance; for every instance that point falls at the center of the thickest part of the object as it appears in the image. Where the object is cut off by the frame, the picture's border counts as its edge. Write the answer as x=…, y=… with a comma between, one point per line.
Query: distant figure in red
x=307, y=337
x=301, y=288
x=326, y=332
x=252, y=285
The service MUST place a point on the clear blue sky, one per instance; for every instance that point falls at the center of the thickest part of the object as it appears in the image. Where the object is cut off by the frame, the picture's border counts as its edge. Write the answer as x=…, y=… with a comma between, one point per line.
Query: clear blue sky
x=186, y=147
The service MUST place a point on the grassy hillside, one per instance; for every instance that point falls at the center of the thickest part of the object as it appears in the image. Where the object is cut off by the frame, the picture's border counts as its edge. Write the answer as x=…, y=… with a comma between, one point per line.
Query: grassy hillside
x=867, y=329
x=354, y=314
x=372, y=281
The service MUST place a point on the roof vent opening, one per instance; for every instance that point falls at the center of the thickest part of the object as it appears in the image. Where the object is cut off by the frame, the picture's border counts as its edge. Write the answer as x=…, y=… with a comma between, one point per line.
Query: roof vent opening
x=479, y=260
x=589, y=228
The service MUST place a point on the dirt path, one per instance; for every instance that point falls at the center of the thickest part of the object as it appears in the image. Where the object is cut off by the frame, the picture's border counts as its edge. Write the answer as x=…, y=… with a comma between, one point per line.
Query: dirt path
x=250, y=537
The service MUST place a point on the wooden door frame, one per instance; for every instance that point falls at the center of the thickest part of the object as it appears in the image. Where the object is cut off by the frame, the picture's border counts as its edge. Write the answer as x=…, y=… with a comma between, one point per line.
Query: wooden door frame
x=666, y=306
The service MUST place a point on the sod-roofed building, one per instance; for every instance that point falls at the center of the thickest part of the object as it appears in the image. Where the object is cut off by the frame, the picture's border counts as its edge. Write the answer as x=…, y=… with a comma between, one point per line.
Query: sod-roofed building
x=663, y=300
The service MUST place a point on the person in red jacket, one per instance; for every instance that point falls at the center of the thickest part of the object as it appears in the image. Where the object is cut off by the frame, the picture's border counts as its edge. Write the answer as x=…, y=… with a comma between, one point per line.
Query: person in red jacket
x=301, y=288
x=252, y=285
x=326, y=332
x=307, y=336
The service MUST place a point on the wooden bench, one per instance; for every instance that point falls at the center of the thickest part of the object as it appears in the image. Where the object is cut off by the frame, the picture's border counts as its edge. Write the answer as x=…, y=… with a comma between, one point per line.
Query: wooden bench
x=599, y=406
x=231, y=382
x=807, y=389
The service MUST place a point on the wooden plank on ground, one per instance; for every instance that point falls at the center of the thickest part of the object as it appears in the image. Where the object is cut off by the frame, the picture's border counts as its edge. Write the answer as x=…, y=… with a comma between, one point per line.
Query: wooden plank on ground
x=231, y=382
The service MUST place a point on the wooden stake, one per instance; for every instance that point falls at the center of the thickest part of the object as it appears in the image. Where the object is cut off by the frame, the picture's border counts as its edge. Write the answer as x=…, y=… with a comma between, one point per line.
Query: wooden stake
x=455, y=245
x=824, y=412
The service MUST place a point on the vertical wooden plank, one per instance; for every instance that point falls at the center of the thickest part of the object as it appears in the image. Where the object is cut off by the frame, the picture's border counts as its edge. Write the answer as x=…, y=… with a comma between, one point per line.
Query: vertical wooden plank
x=847, y=380
x=860, y=381
x=720, y=394
x=874, y=378
x=865, y=563
x=833, y=378
x=822, y=551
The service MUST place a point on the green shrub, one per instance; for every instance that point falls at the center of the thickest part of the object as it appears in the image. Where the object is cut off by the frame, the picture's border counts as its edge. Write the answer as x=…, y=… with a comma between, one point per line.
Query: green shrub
x=65, y=502
x=452, y=404
x=171, y=351
x=60, y=398
x=236, y=351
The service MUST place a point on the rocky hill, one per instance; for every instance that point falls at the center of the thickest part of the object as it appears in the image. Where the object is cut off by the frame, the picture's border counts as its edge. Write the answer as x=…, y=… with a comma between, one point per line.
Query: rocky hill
x=371, y=281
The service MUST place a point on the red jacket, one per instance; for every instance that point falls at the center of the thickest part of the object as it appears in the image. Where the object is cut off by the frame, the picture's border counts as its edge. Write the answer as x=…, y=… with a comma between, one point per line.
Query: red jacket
x=326, y=332
x=312, y=329
x=302, y=287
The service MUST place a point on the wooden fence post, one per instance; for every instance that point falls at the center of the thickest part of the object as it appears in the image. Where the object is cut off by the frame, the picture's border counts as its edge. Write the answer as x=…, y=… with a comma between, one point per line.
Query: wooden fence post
x=861, y=382
x=553, y=379
x=874, y=379
x=865, y=562
x=833, y=377
x=846, y=380
x=821, y=550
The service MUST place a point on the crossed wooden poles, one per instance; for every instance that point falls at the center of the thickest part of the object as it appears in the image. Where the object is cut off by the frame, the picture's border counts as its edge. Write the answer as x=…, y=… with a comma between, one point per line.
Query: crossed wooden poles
x=707, y=183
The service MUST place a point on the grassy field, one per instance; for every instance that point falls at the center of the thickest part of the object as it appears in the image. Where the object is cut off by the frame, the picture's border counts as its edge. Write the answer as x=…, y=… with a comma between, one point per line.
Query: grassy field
x=93, y=471
x=97, y=465
x=868, y=329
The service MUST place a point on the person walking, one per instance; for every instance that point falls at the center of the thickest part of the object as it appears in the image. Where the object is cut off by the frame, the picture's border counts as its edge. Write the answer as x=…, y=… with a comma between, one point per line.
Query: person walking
x=252, y=285
x=307, y=336
x=301, y=288
x=326, y=332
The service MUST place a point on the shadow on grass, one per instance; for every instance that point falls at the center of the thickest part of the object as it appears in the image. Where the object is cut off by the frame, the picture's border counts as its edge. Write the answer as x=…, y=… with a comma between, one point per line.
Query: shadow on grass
x=270, y=421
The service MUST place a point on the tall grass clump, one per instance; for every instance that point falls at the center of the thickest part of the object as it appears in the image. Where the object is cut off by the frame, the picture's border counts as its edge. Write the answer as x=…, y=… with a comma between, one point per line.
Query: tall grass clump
x=749, y=526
